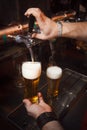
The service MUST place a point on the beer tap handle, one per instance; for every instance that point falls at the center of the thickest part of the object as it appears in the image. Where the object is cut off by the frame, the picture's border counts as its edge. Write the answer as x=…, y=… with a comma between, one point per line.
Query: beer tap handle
x=31, y=23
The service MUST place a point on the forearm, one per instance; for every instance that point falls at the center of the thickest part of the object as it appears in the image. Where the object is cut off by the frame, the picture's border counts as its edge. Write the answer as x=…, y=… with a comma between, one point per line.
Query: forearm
x=75, y=30
x=53, y=125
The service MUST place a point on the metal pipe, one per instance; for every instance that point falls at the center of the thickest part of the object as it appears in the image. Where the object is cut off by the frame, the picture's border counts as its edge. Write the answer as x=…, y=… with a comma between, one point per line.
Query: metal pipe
x=21, y=28
x=13, y=30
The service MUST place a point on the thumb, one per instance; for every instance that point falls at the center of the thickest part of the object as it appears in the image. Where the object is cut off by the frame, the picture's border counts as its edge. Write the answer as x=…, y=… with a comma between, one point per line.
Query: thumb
x=40, y=97
x=27, y=103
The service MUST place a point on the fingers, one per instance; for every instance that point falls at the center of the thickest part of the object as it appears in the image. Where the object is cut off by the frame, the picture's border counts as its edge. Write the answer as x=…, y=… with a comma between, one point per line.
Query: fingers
x=27, y=103
x=33, y=11
x=37, y=13
x=40, y=98
x=42, y=103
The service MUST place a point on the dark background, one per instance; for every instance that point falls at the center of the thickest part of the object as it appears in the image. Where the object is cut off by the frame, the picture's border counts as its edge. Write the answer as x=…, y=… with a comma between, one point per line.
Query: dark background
x=12, y=11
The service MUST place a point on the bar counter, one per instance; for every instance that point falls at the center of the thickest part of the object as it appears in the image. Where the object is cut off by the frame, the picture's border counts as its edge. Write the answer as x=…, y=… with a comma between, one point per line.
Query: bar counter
x=70, y=106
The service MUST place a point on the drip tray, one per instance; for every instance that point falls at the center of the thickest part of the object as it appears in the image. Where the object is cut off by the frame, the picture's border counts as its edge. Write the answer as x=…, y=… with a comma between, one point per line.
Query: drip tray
x=72, y=88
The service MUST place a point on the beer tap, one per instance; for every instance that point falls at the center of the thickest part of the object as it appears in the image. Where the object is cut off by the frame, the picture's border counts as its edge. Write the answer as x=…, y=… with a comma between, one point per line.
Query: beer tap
x=27, y=39
x=23, y=38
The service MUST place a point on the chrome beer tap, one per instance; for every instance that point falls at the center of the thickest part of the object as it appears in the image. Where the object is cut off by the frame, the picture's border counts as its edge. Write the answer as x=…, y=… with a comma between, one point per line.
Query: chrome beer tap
x=27, y=39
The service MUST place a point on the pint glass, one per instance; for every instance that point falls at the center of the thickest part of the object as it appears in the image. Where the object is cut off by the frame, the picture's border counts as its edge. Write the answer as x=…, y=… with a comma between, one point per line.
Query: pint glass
x=53, y=74
x=31, y=72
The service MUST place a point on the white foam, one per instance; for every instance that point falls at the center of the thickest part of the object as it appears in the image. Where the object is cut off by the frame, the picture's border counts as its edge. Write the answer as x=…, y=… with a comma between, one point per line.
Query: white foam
x=54, y=72
x=31, y=70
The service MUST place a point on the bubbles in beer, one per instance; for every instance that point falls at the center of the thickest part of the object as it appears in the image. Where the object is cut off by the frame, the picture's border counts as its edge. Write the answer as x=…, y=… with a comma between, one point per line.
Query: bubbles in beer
x=54, y=72
x=31, y=70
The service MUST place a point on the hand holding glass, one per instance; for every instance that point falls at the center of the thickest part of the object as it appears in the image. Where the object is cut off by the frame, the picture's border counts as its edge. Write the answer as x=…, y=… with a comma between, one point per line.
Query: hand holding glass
x=31, y=72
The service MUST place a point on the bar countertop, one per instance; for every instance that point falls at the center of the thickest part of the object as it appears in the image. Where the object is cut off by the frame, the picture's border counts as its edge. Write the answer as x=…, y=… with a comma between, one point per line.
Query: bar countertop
x=70, y=107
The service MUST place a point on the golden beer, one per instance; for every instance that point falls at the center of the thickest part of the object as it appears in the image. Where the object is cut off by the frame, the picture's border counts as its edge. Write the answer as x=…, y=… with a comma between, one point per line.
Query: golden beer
x=31, y=72
x=54, y=74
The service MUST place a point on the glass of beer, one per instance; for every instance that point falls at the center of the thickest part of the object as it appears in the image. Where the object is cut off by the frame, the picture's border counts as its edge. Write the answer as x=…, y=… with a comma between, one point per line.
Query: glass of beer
x=31, y=72
x=54, y=74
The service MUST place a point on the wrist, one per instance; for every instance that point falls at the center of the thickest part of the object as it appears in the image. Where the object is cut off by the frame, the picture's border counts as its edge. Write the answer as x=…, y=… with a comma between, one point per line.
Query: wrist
x=46, y=117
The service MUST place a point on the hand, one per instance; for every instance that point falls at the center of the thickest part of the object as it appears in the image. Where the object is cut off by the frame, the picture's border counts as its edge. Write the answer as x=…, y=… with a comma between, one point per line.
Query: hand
x=47, y=27
x=36, y=109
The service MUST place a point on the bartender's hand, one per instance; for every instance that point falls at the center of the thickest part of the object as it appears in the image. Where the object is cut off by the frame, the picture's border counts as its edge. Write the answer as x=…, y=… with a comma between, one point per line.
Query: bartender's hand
x=47, y=26
x=36, y=109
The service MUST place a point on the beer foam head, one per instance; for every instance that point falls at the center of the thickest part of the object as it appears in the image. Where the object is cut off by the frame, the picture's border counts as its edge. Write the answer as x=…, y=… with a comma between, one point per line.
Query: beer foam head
x=54, y=72
x=31, y=70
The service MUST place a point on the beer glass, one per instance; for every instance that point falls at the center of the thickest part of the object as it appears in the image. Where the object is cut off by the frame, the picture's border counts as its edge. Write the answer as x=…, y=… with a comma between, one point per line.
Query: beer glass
x=19, y=81
x=31, y=72
x=53, y=74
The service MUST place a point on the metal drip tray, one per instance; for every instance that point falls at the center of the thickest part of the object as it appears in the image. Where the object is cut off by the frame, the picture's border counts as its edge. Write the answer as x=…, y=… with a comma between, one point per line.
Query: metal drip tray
x=72, y=88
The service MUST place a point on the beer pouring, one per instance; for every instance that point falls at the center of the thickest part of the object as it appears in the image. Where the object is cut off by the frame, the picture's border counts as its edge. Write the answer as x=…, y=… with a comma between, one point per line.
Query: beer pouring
x=31, y=70
x=28, y=41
